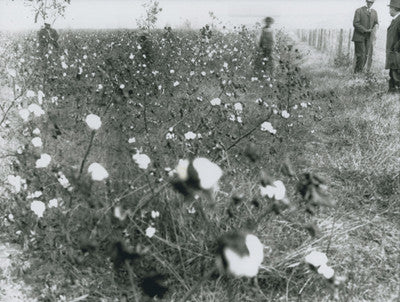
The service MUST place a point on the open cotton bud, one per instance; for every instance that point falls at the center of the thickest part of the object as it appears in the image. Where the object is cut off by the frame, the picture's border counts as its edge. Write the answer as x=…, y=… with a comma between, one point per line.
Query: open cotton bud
x=199, y=174
x=97, y=172
x=38, y=207
x=276, y=190
x=24, y=114
x=150, y=231
x=53, y=203
x=326, y=271
x=240, y=254
x=16, y=182
x=36, y=110
x=142, y=160
x=316, y=259
x=208, y=172
x=37, y=142
x=43, y=161
x=93, y=121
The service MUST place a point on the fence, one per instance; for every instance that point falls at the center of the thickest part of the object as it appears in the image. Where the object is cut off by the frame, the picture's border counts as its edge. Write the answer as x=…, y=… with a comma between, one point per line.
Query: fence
x=337, y=43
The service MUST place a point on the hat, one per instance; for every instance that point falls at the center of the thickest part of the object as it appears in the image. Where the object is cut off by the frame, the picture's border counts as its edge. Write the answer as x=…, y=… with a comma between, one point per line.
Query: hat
x=395, y=3
x=269, y=20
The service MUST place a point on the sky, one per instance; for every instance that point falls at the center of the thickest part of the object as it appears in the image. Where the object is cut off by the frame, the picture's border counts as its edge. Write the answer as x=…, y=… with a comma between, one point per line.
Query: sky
x=289, y=14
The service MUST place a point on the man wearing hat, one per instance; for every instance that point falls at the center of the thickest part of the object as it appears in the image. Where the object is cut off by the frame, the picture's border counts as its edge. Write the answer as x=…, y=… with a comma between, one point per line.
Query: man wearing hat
x=47, y=36
x=393, y=47
x=266, y=45
x=364, y=22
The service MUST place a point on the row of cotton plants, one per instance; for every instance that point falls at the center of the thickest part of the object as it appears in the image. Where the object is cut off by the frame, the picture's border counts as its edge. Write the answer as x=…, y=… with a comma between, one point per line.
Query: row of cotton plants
x=160, y=189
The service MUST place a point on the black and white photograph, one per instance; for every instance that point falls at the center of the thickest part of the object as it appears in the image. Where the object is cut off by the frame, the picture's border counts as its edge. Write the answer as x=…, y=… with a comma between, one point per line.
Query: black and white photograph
x=200, y=151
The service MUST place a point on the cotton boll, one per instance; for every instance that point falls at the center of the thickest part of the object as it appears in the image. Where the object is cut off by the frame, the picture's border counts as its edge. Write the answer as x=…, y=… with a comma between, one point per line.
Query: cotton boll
x=208, y=172
x=43, y=161
x=242, y=254
x=316, y=259
x=38, y=208
x=93, y=121
x=97, y=172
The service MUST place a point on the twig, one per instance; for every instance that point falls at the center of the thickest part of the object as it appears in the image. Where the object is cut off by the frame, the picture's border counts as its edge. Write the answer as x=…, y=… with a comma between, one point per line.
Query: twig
x=130, y=273
x=87, y=153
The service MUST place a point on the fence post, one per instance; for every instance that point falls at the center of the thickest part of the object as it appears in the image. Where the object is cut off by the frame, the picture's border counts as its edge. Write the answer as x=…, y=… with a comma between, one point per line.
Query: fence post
x=340, y=49
x=349, y=45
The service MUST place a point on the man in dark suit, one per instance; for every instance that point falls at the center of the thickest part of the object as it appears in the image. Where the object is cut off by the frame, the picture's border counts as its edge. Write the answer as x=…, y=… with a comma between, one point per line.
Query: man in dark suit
x=47, y=36
x=365, y=19
x=393, y=47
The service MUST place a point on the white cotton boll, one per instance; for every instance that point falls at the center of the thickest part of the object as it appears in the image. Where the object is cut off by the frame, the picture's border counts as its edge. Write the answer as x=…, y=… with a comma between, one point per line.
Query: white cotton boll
x=190, y=135
x=37, y=142
x=267, y=126
x=150, y=231
x=276, y=190
x=155, y=214
x=176, y=83
x=216, y=102
x=208, y=172
x=238, y=107
x=97, y=172
x=38, y=208
x=36, y=109
x=280, y=191
x=132, y=140
x=36, y=131
x=316, y=259
x=43, y=161
x=30, y=94
x=17, y=182
x=285, y=114
x=93, y=121
x=247, y=265
x=63, y=180
x=326, y=271
x=64, y=65
x=34, y=195
x=142, y=160
x=24, y=114
x=182, y=169
x=53, y=203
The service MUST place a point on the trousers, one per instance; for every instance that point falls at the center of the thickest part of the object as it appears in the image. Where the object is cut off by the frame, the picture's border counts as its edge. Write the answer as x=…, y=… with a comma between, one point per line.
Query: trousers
x=363, y=54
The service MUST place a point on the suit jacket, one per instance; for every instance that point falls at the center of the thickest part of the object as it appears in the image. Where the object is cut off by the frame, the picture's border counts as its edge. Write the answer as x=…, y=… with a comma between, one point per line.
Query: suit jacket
x=267, y=39
x=46, y=36
x=393, y=45
x=362, y=22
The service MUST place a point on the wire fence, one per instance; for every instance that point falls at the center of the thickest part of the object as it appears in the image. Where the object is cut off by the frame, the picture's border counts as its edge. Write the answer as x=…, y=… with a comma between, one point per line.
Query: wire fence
x=337, y=43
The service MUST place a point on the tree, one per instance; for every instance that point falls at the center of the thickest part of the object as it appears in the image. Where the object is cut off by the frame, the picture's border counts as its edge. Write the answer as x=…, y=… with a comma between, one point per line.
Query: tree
x=148, y=21
x=48, y=10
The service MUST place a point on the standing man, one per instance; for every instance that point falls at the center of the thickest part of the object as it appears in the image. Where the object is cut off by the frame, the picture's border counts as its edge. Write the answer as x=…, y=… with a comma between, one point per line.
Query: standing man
x=365, y=20
x=393, y=47
x=47, y=36
x=266, y=45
